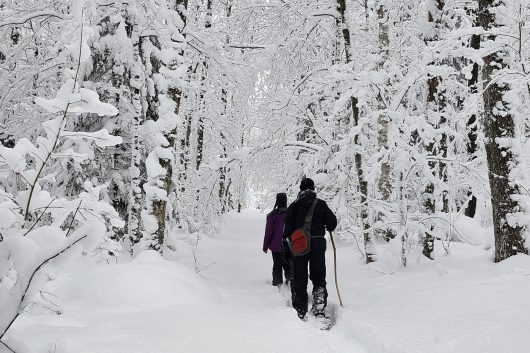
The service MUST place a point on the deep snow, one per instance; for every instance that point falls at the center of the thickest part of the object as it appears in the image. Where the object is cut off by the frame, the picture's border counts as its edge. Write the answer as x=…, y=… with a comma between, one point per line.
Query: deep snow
x=460, y=303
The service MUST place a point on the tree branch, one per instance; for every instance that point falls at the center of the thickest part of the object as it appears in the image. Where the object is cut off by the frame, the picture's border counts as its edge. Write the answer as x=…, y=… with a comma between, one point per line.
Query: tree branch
x=12, y=21
x=37, y=270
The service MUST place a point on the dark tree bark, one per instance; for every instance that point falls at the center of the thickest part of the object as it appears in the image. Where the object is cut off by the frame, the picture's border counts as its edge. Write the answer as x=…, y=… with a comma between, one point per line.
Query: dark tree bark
x=202, y=103
x=499, y=123
x=137, y=80
x=225, y=193
x=436, y=103
x=358, y=159
x=472, y=123
x=384, y=184
x=174, y=92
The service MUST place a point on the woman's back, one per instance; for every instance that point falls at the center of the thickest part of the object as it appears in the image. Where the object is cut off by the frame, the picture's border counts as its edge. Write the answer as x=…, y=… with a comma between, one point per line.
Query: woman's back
x=274, y=229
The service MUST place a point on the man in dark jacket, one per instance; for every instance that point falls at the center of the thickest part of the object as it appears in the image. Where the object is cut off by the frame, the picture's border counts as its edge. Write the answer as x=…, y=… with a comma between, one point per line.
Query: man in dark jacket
x=323, y=219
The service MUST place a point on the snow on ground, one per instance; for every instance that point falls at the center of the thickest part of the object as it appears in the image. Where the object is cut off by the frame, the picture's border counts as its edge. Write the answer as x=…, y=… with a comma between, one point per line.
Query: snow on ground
x=462, y=303
x=153, y=305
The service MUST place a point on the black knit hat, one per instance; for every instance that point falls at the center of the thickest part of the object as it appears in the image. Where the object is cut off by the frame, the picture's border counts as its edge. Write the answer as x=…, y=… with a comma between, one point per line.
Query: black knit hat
x=307, y=184
x=281, y=200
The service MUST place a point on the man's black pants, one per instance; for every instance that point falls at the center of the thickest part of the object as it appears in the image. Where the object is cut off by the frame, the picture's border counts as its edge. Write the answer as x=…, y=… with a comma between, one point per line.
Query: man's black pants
x=316, y=259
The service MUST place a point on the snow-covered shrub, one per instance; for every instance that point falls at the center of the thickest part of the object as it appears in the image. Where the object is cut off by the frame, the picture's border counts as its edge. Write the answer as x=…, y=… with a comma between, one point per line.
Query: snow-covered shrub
x=35, y=225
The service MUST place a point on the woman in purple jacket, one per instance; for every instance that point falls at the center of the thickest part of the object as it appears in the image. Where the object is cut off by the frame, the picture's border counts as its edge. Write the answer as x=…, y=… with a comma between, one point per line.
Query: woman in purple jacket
x=273, y=240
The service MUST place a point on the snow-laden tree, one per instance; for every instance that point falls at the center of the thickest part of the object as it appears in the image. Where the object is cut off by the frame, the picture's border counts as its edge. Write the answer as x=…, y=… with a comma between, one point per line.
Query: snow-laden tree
x=502, y=141
x=37, y=225
x=30, y=63
x=379, y=101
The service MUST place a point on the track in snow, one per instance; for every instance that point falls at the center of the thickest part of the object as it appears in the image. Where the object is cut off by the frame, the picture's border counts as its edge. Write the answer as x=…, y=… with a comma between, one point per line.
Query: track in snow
x=153, y=305
x=243, y=276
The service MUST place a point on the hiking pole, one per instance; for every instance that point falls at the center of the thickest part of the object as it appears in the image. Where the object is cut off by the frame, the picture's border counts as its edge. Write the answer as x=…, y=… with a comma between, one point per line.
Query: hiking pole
x=335, y=267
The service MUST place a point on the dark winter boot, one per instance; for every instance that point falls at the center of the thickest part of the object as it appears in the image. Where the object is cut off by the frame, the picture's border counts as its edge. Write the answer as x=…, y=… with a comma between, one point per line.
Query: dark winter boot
x=276, y=282
x=320, y=300
x=300, y=304
x=301, y=315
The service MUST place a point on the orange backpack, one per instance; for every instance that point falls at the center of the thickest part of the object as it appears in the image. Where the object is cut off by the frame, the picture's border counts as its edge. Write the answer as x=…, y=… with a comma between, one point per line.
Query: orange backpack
x=300, y=239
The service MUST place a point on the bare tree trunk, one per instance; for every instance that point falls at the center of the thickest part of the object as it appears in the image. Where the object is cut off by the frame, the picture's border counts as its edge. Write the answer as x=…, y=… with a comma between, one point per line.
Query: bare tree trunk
x=224, y=181
x=403, y=220
x=366, y=14
x=472, y=123
x=157, y=203
x=435, y=109
x=358, y=159
x=499, y=124
x=135, y=202
x=223, y=187
x=384, y=184
x=202, y=103
x=240, y=181
x=184, y=153
x=200, y=132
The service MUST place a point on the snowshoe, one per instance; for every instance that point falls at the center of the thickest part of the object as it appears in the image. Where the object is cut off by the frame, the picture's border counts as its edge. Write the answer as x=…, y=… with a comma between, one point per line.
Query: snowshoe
x=284, y=290
x=320, y=296
x=323, y=322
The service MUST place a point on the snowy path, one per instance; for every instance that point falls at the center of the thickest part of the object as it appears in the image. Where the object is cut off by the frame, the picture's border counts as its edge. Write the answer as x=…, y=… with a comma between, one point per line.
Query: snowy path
x=152, y=305
x=460, y=303
x=243, y=274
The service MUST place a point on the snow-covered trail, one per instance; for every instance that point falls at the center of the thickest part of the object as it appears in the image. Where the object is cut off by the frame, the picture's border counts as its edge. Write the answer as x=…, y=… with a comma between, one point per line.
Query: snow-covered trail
x=460, y=303
x=154, y=305
x=242, y=273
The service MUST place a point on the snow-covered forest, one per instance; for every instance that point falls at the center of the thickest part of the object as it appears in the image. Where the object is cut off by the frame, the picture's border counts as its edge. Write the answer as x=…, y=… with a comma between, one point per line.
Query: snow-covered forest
x=139, y=139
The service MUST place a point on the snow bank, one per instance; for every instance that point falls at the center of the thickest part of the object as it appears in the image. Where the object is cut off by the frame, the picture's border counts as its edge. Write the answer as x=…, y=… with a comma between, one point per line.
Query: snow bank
x=145, y=283
x=470, y=231
x=459, y=303
x=98, y=303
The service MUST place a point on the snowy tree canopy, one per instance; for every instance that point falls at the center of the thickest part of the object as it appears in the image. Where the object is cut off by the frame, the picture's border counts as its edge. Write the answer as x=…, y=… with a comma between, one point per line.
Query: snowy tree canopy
x=138, y=127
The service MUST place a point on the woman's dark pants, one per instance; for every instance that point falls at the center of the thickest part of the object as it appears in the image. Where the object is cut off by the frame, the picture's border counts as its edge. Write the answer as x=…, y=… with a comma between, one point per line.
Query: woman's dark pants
x=279, y=264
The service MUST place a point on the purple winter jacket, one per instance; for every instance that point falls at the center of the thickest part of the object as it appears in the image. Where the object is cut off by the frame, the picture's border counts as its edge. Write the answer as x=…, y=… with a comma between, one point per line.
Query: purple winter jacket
x=274, y=230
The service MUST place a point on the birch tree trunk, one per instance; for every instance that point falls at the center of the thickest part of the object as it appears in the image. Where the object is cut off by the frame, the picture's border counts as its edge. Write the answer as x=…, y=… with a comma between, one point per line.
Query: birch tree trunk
x=499, y=130
x=164, y=105
x=435, y=115
x=384, y=184
x=202, y=103
x=358, y=159
x=224, y=181
x=403, y=220
x=136, y=82
x=472, y=123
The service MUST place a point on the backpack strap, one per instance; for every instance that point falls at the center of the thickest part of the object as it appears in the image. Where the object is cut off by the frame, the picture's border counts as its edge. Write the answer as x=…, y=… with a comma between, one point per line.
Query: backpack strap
x=309, y=217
